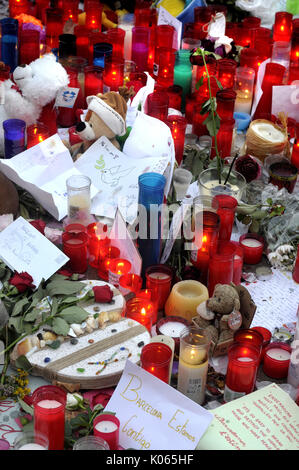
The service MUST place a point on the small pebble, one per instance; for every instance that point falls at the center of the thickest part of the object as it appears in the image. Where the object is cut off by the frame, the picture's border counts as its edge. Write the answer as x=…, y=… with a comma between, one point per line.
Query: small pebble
x=91, y=340
x=47, y=359
x=140, y=344
x=74, y=341
x=80, y=369
x=113, y=331
x=96, y=309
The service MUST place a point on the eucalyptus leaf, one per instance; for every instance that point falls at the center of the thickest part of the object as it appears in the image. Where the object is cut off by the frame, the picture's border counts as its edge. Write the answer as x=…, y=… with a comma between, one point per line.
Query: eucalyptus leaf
x=60, y=326
x=23, y=363
x=64, y=287
x=74, y=314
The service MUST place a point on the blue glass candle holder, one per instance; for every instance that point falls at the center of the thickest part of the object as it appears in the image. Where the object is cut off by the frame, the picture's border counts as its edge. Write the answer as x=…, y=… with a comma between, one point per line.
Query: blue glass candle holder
x=14, y=137
x=150, y=199
x=9, y=42
x=101, y=50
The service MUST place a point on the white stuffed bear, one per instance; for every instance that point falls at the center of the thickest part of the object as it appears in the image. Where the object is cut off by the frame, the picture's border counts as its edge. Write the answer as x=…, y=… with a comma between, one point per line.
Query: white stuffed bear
x=38, y=83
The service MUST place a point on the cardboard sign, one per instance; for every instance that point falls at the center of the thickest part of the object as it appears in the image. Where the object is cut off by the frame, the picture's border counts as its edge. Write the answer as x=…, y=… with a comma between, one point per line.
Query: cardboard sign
x=24, y=248
x=154, y=415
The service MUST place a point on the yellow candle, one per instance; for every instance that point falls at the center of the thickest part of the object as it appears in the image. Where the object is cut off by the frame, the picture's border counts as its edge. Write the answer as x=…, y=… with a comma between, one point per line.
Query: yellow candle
x=184, y=298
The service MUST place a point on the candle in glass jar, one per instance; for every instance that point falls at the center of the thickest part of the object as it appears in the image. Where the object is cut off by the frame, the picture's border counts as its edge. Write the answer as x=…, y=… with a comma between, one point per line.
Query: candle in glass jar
x=159, y=279
x=143, y=311
x=117, y=268
x=130, y=283
x=156, y=358
x=172, y=326
x=107, y=426
x=253, y=246
x=277, y=357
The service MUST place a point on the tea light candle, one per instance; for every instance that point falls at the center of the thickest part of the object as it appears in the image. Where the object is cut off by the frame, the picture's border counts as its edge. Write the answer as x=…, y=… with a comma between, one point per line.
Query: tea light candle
x=172, y=326
x=106, y=426
x=117, y=268
x=276, y=360
x=185, y=298
x=193, y=363
x=253, y=246
x=143, y=311
x=32, y=446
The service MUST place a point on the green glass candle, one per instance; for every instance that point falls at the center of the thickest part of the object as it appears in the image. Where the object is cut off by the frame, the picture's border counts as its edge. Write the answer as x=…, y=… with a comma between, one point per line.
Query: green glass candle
x=183, y=73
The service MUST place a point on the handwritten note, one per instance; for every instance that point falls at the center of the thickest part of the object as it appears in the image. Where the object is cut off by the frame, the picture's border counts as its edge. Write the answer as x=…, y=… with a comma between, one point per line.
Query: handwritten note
x=23, y=248
x=43, y=170
x=267, y=419
x=154, y=415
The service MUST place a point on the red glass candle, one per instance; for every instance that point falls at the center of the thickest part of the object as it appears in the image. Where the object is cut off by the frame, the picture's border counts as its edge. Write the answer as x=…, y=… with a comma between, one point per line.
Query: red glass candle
x=296, y=268
x=253, y=247
x=227, y=72
x=206, y=238
x=143, y=16
x=93, y=80
x=76, y=228
x=157, y=105
x=238, y=263
x=4, y=72
x=82, y=41
x=166, y=66
x=159, y=280
x=107, y=255
x=137, y=80
x=29, y=45
x=249, y=336
x=116, y=37
x=75, y=247
x=117, y=268
x=49, y=414
x=41, y=7
x=172, y=326
x=93, y=11
x=295, y=49
x=36, y=133
x=230, y=30
x=226, y=210
x=175, y=96
x=156, y=359
x=283, y=175
x=274, y=75
x=164, y=38
x=250, y=58
x=113, y=74
x=70, y=11
x=54, y=26
x=97, y=241
x=250, y=26
x=107, y=426
x=140, y=46
x=243, y=360
x=130, y=283
x=48, y=117
x=17, y=7
x=66, y=117
x=282, y=29
x=198, y=119
x=202, y=18
x=177, y=125
x=266, y=334
x=143, y=311
x=293, y=73
x=151, y=50
x=225, y=103
x=224, y=138
x=277, y=360
x=221, y=266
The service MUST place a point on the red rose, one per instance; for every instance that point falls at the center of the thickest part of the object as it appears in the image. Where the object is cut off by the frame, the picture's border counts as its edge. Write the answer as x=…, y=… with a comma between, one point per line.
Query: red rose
x=22, y=281
x=39, y=225
x=102, y=294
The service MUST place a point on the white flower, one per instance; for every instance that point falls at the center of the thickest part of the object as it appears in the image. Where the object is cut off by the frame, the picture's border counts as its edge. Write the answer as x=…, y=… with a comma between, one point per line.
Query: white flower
x=74, y=401
x=284, y=249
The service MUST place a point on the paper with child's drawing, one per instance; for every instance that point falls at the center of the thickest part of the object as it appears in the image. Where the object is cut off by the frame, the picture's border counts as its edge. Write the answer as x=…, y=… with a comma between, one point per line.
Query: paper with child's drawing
x=115, y=173
x=42, y=170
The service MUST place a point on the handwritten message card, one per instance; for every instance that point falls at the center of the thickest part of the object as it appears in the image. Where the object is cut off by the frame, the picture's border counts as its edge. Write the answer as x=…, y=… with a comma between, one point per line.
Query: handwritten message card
x=23, y=248
x=43, y=170
x=267, y=419
x=154, y=415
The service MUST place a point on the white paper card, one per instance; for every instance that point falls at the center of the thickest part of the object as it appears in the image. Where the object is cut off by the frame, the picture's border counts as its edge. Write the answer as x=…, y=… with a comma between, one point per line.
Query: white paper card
x=122, y=239
x=155, y=416
x=66, y=97
x=24, y=248
x=258, y=87
x=164, y=17
x=174, y=231
x=286, y=98
x=43, y=170
x=217, y=26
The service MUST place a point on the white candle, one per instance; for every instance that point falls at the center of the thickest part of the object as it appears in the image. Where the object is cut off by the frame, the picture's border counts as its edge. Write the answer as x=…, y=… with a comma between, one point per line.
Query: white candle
x=172, y=328
x=106, y=426
x=50, y=404
x=32, y=446
x=192, y=380
x=243, y=102
x=279, y=354
x=251, y=242
x=245, y=359
x=159, y=275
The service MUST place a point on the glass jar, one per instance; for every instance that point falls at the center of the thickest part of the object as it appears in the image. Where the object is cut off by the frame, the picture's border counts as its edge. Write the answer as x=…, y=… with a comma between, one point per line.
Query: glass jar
x=209, y=184
x=78, y=191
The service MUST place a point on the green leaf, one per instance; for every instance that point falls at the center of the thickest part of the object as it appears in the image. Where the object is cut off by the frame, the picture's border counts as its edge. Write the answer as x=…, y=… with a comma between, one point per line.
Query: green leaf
x=23, y=363
x=69, y=300
x=199, y=83
x=74, y=314
x=18, y=308
x=27, y=408
x=64, y=287
x=60, y=326
x=269, y=201
x=16, y=323
x=32, y=315
x=54, y=306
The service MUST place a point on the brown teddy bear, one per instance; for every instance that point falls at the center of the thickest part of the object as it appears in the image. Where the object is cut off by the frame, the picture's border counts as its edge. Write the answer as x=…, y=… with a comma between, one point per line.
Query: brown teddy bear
x=230, y=308
x=106, y=116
